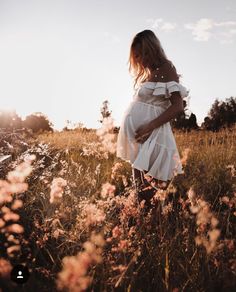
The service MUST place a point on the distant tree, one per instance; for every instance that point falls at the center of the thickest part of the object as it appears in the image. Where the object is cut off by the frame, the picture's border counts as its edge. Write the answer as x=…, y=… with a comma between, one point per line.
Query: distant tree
x=10, y=120
x=221, y=115
x=105, y=111
x=192, y=122
x=183, y=122
x=37, y=122
x=206, y=125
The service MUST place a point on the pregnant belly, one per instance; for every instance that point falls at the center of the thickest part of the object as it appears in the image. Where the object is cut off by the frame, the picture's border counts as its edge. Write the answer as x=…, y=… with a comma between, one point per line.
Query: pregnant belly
x=140, y=113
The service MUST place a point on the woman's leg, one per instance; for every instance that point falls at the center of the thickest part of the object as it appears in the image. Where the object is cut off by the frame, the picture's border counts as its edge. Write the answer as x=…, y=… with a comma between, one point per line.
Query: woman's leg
x=143, y=189
x=137, y=178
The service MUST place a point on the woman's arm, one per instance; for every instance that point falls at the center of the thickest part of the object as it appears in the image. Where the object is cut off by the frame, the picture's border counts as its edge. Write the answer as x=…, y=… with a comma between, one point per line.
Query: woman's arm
x=176, y=107
x=172, y=112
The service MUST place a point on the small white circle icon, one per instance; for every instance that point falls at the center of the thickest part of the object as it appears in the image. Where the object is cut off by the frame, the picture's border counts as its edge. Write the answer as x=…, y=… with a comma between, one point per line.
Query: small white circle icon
x=19, y=275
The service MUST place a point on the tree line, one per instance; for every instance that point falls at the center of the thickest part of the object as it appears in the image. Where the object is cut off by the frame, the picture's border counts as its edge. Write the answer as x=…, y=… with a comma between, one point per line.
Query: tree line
x=36, y=122
x=222, y=114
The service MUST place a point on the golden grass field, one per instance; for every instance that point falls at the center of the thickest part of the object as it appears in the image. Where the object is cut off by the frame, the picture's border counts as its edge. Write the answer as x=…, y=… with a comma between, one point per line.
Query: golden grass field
x=84, y=229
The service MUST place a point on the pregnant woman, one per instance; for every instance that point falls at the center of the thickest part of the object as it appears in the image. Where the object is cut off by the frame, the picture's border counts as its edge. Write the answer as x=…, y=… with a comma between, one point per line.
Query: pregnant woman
x=145, y=138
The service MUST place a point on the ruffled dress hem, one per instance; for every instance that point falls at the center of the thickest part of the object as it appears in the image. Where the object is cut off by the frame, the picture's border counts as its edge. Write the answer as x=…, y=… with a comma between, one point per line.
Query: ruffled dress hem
x=166, y=165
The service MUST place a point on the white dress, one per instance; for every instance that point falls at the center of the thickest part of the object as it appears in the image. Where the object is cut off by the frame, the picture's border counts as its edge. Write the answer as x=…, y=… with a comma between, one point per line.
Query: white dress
x=158, y=155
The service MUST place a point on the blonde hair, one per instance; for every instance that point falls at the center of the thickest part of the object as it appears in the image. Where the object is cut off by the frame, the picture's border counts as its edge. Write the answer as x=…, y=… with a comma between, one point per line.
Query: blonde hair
x=146, y=45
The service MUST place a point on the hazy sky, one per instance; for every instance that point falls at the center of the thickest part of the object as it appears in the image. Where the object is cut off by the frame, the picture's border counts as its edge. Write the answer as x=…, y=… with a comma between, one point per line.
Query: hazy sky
x=64, y=58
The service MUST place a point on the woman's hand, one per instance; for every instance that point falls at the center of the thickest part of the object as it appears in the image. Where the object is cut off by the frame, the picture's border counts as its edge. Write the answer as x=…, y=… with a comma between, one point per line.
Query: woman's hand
x=143, y=132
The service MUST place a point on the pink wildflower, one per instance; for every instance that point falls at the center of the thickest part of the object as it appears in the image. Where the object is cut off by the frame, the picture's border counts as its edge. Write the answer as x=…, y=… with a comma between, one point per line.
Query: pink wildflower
x=16, y=228
x=5, y=268
x=116, y=232
x=57, y=189
x=107, y=190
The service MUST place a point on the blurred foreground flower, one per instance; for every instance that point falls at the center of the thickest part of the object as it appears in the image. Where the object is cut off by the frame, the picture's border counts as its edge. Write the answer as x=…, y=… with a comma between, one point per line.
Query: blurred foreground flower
x=14, y=184
x=205, y=218
x=115, y=169
x=57, y=188
x=19, y=174
x=74, y=272
x=5, y=268
x=107, y=190
x=106, y=135
x=92, y=215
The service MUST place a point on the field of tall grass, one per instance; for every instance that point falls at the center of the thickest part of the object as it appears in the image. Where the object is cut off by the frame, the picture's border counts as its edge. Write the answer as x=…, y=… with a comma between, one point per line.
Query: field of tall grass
x=69, y=212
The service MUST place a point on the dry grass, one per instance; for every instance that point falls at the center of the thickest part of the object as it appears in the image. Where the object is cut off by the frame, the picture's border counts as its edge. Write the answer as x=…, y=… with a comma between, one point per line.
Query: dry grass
x=186, y=241
x=72, y=139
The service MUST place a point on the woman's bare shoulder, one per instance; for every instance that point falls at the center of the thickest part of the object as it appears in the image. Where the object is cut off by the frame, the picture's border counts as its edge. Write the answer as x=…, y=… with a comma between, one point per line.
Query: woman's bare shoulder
x=168, y=71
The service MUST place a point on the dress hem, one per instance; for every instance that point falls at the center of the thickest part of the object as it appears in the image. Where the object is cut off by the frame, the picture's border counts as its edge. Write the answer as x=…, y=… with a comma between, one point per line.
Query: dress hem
x=148, y=173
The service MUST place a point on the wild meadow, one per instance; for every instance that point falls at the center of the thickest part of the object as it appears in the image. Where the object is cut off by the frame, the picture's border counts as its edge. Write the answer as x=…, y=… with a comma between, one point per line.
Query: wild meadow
x=69, y=211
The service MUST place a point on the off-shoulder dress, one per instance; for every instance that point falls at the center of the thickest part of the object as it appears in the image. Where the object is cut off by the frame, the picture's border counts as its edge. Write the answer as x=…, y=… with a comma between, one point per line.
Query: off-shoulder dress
x=158, y=156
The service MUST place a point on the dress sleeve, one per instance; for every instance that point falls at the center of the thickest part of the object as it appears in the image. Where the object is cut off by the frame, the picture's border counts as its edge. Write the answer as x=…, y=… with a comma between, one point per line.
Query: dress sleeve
x=173, y=86
x=166, y=88
x=170, y=85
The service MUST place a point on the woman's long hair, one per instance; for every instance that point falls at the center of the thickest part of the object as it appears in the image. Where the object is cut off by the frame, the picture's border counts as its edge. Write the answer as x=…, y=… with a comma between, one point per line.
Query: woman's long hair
x=145, y=46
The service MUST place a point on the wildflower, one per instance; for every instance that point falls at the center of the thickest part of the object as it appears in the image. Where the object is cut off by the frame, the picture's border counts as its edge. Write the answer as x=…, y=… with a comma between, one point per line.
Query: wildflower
x=107, y=190
x=204, y=217
x=167, y=209
x=16, y=204
x=2, y=223
x=142, y=204
x=225, y=199
x=12, y=248
x=214, y=234
x=57, y=233
x=160, y=195
x=74, y=272
x=20, y=173
x=11, y=216
x=97, y=239
x=94, y=149
x=16, y=228
x=108, y=239
x=93, y=214
x=98, y=169
x=105, y=136
x=214, y=222
x=116, y=232
x=191, y=196
x=5, y=268
x=123, y=244
x=129, y=208
x=11, y=238
x=29, y=158
x=232, y=169
x=57, y=189
x=120, y=268
x=115, y=168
